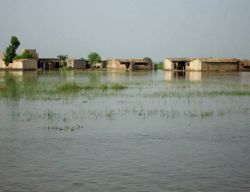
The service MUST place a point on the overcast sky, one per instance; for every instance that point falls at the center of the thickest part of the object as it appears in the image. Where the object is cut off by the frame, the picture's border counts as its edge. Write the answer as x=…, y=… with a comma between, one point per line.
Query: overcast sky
x=129, y=28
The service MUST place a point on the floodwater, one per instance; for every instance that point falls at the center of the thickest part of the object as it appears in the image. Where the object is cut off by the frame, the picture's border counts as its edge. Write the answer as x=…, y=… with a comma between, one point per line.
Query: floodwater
x=164, y=132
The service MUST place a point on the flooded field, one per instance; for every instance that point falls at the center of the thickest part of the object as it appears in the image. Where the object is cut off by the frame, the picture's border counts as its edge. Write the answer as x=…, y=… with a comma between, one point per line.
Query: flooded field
x=124, y=131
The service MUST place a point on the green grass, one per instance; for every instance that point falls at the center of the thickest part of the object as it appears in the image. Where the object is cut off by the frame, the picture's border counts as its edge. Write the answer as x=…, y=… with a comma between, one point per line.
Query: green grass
x=88, y=87
x=69, y=87
x=64, y=69
x=118, y=86
x=103, y=87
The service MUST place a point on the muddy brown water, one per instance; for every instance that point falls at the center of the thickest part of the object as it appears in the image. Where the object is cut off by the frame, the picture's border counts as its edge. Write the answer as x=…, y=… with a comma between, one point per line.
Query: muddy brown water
x=164, y=132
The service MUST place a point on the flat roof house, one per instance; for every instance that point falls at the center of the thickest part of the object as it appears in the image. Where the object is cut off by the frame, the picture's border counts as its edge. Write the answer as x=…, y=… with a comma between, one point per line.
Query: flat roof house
x=48, y=63
x=77, y=63
x=214, y=64
x=180, y=64
x=129, y=64
x=201, y=64
x=19, y=64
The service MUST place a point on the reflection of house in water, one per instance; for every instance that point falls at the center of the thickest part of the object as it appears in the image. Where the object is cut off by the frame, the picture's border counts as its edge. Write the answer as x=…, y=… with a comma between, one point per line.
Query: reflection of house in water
x=48, y=63
x=202, y=64
x=173, y=75
x=20, y=75
x=185, y=75
x=129, y=64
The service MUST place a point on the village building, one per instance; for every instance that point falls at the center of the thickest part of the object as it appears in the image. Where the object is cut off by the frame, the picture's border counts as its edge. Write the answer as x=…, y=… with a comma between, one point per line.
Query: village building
x=48, y=63
x=202, y=64
x=19, y=64
x=77, y=63
x=171, y=64
x=245, y=65
x=31, y=52
x=129, y=64
x=214, y=64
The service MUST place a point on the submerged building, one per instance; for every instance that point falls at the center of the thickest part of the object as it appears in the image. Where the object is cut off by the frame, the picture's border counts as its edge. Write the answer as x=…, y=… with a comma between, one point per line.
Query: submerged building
x=171, y=64
x=48, y=63
x=245, y=65
x=214, y=64
x=19, y=64
x=130, y=64
x=202, y=64
x=77, y=63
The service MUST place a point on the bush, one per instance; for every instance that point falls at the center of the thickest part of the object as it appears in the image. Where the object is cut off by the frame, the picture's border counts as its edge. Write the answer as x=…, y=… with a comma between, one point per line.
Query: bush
x=24, y=56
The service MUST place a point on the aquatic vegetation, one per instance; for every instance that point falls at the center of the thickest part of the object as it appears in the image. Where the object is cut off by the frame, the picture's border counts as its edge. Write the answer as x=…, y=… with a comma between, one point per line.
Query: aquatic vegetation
x=206, y=114
x=117, y=86
x=69, y=87
x=11, y=89
x=88, y=87
x=65, y=128
x=103, y=87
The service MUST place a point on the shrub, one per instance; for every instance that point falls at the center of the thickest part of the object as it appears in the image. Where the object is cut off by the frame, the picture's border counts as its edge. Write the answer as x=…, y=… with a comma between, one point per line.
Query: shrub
x=25, y=55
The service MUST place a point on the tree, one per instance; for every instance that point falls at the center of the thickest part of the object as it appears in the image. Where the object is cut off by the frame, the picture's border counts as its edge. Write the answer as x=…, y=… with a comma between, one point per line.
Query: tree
x=148, y=60
x=94, y=58
x=10, y=51
x=63, y=59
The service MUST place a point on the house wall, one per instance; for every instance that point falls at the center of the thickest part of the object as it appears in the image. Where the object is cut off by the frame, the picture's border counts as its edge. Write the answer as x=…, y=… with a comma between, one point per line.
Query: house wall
x=195, y=65
x=245, y=65
x=168, y=65
x=220, y=66
x=142, y=67
x=2, y=64
x=115, y=64
x=26, y=64
x=20, y=64
x=187, y=66
x=76, y=63
x=198, y=65
x=32, y=52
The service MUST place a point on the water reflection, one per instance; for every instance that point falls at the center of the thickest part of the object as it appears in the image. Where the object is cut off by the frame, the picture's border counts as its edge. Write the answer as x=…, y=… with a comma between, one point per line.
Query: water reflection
x=13, y=83
x=11, y=88
x=20, y=75
x=185, y=75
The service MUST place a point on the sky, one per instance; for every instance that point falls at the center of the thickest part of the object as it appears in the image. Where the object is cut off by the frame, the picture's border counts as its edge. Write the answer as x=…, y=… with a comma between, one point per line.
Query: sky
x=128, y=28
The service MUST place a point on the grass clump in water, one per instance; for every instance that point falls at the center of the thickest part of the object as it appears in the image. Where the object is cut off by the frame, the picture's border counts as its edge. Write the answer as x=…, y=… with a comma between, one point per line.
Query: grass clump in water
x=69, y=87
x=88, y=87
x=118, y=86
x=103, y=87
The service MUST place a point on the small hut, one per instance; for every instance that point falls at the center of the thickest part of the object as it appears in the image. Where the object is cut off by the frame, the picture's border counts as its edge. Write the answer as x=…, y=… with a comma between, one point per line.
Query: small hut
x=130, y=64
x=180, y=64
x=77, y=63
